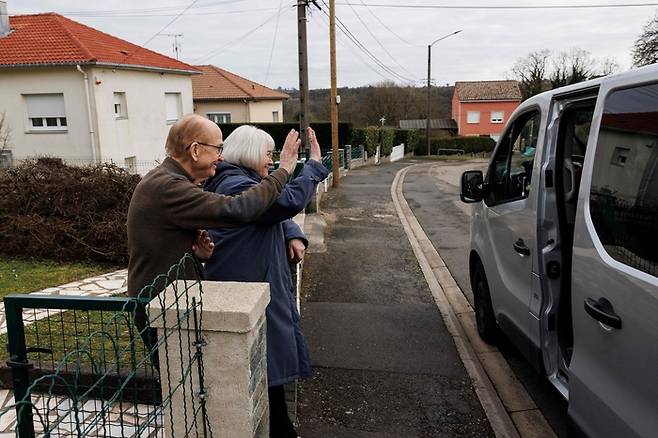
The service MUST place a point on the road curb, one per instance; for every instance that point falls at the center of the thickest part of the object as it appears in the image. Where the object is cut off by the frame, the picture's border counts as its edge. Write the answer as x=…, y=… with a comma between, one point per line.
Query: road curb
x=509, y=409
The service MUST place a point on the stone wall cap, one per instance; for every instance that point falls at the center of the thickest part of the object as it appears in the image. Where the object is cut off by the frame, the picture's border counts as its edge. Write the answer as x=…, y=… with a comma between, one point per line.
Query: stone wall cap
x=228, y=306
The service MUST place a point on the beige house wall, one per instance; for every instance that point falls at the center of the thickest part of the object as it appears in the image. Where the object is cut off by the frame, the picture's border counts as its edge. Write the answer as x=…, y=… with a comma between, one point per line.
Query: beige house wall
x=238, y=110
x=262, y=111
x=242, y=112
x=72, y=143
x=143, y=132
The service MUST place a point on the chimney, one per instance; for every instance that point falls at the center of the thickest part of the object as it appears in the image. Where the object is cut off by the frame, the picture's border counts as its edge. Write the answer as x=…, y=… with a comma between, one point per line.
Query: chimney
x=4, y=19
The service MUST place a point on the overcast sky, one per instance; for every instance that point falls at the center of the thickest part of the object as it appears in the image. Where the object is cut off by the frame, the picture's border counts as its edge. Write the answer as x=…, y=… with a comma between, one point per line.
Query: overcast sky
x=243, y=35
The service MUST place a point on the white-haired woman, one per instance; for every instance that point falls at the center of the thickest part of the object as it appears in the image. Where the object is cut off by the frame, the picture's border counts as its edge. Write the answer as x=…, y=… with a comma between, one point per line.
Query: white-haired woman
x=263, y=251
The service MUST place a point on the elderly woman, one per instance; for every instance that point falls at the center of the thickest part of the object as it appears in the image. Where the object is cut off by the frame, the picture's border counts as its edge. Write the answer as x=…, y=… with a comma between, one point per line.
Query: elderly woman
x=262, y=252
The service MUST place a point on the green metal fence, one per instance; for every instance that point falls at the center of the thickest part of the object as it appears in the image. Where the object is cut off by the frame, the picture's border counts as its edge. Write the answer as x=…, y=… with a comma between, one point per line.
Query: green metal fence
x=95, y=367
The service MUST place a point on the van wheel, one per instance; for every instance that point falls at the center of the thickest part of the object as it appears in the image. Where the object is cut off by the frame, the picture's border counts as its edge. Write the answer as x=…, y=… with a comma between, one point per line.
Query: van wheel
x=484, y=314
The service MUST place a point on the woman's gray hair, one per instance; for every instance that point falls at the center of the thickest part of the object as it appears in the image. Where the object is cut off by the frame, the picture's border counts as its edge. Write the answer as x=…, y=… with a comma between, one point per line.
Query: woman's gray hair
x=246, y=146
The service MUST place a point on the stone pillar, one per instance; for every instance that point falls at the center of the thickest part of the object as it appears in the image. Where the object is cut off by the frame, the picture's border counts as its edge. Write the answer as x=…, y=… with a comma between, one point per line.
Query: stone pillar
x=348, y=156
x=234, y=357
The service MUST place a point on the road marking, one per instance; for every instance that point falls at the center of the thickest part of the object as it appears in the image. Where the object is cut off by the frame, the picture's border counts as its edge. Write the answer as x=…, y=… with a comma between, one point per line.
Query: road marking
x=508, y=407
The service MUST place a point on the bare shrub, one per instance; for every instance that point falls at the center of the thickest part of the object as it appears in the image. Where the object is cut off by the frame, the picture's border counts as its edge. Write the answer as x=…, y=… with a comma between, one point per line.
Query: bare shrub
x=54, y=211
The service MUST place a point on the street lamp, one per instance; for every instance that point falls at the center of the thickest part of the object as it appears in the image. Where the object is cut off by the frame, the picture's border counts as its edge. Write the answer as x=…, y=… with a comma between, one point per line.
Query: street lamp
x=429, y=94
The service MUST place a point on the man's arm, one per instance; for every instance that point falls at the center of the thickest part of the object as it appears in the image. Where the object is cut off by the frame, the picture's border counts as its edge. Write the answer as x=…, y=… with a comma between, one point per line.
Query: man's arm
x=189, y=207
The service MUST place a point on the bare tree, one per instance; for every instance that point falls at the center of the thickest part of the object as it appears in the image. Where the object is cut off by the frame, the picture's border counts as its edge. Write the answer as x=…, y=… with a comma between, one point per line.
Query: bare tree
x=5, y=133
x=645, y=51
x=531, y=72
x=609, y=66
x=571, y=67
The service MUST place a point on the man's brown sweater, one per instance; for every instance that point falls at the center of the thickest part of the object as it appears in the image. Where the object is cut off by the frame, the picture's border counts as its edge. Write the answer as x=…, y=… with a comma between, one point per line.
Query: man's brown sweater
x=167, y=208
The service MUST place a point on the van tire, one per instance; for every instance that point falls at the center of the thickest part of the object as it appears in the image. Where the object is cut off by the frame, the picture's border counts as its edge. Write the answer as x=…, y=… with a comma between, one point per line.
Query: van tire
x=484, y=315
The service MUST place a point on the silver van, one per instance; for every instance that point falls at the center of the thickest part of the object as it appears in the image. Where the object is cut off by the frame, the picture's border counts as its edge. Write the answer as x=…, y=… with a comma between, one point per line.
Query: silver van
x=564, y=247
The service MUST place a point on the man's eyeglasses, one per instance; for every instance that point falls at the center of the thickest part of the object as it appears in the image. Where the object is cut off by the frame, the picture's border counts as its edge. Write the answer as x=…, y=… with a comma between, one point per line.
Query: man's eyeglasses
x=218, y=147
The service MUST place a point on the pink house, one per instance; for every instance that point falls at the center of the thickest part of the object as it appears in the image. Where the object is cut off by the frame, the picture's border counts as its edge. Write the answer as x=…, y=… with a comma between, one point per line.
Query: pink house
x=483, y=107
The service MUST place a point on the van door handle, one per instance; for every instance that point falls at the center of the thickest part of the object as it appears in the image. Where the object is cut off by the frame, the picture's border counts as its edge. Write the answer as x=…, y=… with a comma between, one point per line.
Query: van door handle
x=602, y=311
x=519, y=246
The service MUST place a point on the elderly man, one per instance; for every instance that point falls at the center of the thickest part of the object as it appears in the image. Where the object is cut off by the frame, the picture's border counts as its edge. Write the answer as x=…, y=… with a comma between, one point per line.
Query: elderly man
x=168, y=209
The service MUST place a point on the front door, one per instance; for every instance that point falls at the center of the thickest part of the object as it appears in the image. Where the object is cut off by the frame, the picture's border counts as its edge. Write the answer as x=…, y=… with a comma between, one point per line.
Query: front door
x=613, y=376
x=512, y=222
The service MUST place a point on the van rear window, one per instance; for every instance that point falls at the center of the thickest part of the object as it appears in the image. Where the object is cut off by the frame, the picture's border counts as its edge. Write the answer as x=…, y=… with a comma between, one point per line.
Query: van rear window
x=624, y=193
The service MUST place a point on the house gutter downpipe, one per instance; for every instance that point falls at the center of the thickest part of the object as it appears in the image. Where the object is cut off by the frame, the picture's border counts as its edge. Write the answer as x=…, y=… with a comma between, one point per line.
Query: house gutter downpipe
x=4, y=19
x=92, y=134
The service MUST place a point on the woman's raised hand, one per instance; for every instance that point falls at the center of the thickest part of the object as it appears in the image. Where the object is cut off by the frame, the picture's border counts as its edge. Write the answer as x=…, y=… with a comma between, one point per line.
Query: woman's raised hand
x=288, y=158
x=316, y=152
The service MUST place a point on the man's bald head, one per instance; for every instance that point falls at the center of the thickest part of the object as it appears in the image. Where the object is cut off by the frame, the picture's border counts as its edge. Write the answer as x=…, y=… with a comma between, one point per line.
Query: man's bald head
x=188, y=129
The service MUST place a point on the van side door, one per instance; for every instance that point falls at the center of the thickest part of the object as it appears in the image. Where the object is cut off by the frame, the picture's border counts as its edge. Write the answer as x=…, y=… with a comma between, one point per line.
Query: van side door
x=511, y=222
x=613, y=375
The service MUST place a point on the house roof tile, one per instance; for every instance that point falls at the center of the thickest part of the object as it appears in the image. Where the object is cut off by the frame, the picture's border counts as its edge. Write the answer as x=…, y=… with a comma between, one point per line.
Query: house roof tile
x=487, y=90
x=218, y=84
x=51, y=39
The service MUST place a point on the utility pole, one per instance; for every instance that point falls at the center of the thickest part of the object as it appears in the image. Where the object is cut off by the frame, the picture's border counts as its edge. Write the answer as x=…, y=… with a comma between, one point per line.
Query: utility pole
x=303, y=70
x=335, y=159
x=429, y=97
x=177, y=44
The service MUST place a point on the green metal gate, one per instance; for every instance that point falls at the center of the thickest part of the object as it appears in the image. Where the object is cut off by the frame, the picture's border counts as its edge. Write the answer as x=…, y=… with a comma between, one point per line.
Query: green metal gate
x=94, y=366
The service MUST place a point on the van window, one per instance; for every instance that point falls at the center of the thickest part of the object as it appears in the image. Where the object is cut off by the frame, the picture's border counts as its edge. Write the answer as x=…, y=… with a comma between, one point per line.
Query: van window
x=624, y=194
x=511, y=168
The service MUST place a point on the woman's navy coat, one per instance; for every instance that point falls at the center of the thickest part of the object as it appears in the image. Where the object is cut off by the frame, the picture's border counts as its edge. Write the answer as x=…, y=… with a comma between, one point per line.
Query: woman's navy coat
x=258, y=252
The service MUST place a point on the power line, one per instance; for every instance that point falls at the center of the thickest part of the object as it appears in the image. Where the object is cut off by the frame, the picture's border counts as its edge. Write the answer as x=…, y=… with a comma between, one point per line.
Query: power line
x=388, y=28
x=148, y=15
x=485, y=7
x=141, y=47
x=215, y=52
x=276, y=32
x=343, y=28
x=388, y=78
x=377, y=40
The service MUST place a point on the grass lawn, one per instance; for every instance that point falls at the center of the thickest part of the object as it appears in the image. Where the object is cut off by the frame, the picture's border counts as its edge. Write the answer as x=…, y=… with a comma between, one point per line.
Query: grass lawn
x=22, y=276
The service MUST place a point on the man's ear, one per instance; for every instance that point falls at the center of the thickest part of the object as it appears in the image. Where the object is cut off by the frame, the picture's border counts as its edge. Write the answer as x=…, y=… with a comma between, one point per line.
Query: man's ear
x=194, y=151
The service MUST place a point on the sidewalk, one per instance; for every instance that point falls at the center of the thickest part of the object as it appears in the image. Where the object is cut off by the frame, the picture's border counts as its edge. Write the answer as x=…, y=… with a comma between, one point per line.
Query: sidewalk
x=385, y=365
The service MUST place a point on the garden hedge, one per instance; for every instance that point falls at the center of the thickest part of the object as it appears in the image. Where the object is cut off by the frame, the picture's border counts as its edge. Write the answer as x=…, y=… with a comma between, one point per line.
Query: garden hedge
x=49, y=210
x=467, y=144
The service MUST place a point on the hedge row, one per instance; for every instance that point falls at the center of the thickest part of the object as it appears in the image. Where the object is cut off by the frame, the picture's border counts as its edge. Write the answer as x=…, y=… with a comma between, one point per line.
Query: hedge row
x=373, y=136
x=53, y=211
x=467, y=144
x=279, y=131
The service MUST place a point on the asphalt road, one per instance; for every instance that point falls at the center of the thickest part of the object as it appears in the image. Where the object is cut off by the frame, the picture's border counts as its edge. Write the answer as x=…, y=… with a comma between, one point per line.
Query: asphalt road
x=385, y=365
x=433, y=194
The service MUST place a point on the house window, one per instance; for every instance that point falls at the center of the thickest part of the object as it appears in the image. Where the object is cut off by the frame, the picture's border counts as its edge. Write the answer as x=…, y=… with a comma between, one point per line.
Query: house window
x=131, y=164
x=45, y=112
x=173, y=106
x=473, y=117
x=275, y=116
x=120, y=107
x=220, y=117
x=497, y=116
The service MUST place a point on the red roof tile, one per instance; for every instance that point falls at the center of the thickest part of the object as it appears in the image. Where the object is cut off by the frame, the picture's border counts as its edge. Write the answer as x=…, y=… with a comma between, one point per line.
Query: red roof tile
x=51, y=39
x=218, y=84
x=487, y=90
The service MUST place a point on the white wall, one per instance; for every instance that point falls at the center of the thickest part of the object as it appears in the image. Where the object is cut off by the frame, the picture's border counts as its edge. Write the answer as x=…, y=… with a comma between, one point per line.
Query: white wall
x=74, y=143
x=143, y=133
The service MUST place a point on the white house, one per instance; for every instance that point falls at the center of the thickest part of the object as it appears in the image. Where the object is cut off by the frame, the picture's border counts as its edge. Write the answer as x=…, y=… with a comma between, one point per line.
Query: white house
x=225, y=97
x=71, y=91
